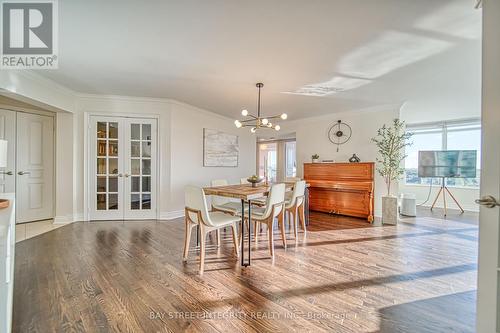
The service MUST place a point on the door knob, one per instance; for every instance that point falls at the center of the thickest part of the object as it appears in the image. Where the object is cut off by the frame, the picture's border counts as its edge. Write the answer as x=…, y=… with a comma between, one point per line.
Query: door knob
x=8, y=173
x=126, y=175
x=20, y=173
x=120, y=175
x=488, y=201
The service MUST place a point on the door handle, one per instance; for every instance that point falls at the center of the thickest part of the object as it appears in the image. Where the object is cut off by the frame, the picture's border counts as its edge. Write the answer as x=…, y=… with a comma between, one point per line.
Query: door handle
x=20, y=173
x=488, y=201
x=120, y=175
x=8, y=173
x=126, y=175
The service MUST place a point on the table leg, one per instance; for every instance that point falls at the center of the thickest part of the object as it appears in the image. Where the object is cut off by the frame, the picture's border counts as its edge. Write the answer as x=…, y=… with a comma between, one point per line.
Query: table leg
x=249, y=230
x=307, y=206
x=242, y=232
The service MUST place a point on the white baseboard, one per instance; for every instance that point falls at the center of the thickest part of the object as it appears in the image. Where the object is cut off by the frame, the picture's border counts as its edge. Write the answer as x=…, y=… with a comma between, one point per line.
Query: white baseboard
x=65, y=219
x=172, y=215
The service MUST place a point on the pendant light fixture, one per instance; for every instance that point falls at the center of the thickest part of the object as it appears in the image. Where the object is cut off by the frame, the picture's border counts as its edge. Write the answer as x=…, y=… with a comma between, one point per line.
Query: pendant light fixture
x=258, y=121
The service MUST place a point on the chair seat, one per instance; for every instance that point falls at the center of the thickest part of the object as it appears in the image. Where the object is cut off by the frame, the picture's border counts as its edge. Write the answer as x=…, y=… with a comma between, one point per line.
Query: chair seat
x=231, y=207
x=221, y=219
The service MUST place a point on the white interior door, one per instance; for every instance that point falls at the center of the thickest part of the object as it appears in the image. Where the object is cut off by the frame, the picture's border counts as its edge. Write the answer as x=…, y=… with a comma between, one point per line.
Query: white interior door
x=35, y=167
x=8, y=132
x=488, y=317
x=140, y=169
x=123, y=173
x=106, y=170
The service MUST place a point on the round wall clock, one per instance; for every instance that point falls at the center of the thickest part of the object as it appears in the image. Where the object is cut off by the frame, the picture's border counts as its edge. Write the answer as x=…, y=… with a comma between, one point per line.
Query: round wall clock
x=339, y=133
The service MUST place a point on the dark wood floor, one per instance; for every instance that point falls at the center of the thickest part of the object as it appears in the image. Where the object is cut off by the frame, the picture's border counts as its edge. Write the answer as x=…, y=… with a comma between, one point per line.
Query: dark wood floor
x=345, y=276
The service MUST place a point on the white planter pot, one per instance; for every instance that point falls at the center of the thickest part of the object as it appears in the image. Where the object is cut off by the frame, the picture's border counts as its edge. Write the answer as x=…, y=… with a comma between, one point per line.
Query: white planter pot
x=315, y=160
x=389, y=210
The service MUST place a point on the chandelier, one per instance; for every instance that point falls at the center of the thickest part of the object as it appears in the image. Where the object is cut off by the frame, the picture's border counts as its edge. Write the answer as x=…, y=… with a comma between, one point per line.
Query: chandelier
x=258, y=121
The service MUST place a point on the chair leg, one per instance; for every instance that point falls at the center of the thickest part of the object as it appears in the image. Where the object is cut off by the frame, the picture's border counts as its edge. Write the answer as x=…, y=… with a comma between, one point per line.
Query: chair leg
x=271, y=240
x=202, y=249
x=218, y=237
x=295, y=222
x=255, y=231
x=187, y=240
x=302, y=217
x=281, y=223
x=235, y=240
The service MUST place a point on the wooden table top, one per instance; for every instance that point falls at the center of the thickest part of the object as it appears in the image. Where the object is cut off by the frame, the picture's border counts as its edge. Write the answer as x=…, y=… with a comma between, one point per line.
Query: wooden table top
x=243, y=191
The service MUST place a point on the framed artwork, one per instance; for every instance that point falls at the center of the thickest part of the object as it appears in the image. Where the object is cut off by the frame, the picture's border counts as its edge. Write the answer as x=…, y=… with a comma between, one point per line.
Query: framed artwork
x=220, y=149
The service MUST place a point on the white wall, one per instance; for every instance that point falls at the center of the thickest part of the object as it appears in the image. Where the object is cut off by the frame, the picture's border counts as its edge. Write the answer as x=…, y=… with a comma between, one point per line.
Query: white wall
x=312, y=137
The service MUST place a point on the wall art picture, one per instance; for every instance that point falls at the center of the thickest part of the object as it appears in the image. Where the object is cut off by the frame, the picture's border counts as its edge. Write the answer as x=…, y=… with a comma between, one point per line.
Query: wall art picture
x=219, y=149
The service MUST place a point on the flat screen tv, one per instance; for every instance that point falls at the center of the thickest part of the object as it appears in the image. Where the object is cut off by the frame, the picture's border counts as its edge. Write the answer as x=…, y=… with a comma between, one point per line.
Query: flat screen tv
x=447, y=163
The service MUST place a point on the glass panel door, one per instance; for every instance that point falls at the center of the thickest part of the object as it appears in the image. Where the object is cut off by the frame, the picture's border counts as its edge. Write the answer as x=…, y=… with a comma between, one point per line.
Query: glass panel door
x=268, y=166
x=140, y=186
x=106, y=172
x=290, y=159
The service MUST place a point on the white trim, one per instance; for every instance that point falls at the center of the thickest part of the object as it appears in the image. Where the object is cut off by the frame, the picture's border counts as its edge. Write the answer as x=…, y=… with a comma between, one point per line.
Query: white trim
x=65, y=219
x=172, y=215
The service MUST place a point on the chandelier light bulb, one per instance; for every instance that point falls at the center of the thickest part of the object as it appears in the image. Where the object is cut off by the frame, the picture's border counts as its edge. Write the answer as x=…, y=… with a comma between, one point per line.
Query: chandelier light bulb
x=265, y=121
x=244, y=113
x=269, y=124
x=277, y=127
x=237, y=123
x=253, y=129
x=284, y=116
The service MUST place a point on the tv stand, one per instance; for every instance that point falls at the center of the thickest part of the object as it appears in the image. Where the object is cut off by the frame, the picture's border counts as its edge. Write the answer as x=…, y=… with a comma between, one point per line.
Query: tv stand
x=442, y=190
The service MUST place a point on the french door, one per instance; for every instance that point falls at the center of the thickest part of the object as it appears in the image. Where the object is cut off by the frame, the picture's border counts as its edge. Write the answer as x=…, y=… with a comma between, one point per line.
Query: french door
x=123, y=168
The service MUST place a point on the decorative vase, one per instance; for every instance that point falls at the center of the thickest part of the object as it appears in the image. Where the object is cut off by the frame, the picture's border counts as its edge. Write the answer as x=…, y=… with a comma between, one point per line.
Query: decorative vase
x=389, y=210
x=354, y=159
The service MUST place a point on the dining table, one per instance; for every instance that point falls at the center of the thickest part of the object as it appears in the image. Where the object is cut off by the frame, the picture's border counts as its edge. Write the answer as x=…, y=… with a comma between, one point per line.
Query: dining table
x=249, y=195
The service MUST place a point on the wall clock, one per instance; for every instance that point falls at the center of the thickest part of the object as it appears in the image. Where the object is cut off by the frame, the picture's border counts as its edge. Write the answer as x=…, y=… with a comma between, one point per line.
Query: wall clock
x=339, y=133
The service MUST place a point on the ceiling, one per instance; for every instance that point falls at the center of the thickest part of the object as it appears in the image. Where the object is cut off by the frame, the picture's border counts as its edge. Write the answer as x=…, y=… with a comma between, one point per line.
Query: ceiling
x=315, y=57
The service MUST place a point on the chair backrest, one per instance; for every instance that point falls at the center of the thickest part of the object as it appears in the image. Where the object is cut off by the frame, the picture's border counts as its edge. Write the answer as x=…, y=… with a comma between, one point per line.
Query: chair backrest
x=218, y=200
x=276, y=195
x=244, y=181
x=299, y=189
x=196, y=200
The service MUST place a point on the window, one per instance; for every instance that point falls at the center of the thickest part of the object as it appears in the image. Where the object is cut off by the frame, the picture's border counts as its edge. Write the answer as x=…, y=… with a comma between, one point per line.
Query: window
x=463, y=135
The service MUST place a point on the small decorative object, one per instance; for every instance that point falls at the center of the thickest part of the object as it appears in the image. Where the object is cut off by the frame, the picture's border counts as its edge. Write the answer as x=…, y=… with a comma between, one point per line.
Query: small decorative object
x=254, y=180
x=328, y=161
x=315, y=158
x=219, y=149
x=339, y=133
x=354, y=159
x=256, y=122
x=391, y=142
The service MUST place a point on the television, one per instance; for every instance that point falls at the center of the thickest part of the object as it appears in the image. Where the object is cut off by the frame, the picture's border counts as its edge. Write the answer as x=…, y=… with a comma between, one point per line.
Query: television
x=447, y=163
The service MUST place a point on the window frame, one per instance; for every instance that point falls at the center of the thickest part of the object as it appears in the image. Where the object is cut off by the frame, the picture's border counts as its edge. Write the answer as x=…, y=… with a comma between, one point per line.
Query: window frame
x=444, y=127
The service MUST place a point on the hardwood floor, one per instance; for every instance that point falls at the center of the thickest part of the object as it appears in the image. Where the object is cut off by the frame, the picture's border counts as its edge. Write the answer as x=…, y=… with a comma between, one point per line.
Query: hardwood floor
x=346, y=276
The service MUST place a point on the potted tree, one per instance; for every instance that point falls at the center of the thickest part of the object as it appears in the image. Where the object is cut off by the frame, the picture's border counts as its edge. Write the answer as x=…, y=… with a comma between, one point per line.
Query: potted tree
x=391, y=142
x=315, y=158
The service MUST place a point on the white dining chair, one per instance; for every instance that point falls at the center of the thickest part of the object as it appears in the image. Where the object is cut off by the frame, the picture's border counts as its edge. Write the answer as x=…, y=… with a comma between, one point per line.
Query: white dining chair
x=196, y=213
x=224, y=204
x=294, y=207
x=275, y=208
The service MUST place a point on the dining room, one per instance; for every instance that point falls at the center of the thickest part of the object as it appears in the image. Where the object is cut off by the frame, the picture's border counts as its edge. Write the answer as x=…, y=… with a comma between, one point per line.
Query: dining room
x=236, y=166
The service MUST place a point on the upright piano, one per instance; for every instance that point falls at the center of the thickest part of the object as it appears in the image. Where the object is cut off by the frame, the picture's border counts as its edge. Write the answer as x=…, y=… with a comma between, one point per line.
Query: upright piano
x=341, y=188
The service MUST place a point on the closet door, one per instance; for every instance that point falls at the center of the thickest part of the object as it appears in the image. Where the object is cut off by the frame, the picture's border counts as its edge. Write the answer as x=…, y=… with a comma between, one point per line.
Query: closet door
x=35, y=167
x=106, y=154
x=8, y=132
x=140, y=168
